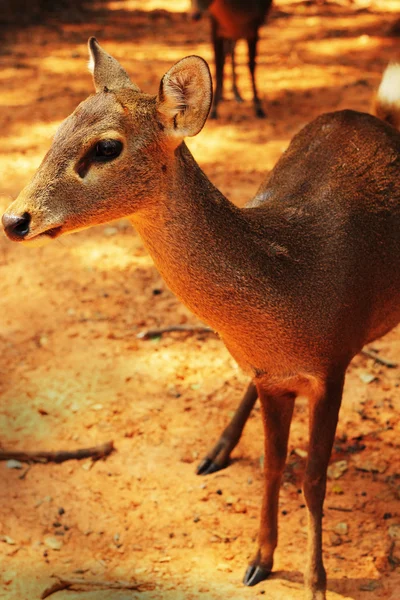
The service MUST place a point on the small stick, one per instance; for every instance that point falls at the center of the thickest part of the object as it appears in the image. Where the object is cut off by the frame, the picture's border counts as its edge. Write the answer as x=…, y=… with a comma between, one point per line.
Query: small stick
x=152, y=333
x=95, y=452
x=341, y=508
x=56, y=587
x=379, y=359
x=78, y=584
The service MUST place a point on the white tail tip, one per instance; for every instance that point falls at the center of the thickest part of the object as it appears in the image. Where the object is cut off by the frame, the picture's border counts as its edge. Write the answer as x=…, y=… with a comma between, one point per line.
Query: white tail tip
x=387, y=101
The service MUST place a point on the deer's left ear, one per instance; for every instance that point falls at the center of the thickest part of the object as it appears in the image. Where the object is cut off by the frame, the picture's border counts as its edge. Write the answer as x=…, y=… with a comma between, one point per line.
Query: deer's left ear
x=106, y=70
x=185, y=96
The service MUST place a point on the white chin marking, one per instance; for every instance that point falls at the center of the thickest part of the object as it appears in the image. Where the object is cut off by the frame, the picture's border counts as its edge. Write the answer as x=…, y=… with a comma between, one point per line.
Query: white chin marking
x=37, y=242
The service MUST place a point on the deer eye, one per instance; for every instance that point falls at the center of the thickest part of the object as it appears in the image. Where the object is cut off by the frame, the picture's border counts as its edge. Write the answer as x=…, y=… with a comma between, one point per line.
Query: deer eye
x=107, y=150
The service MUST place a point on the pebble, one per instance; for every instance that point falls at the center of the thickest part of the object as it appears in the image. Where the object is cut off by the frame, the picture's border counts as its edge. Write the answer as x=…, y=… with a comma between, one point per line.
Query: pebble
x=14, y=464
x=109, y=231
x=367, y=377
x=336, y=469
x=8, y=540
x=53, y=543
x=394, y=531
x=370, y=466
x=87, y=465
x=341, y=528
x=224, y=567
x=231, y=500
x=300, y=452
x=335, y=540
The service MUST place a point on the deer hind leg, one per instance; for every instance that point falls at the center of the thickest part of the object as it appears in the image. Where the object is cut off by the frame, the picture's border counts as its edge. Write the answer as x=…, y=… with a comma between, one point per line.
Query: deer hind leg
x=218, y=457
x=252, y=46
x=235, y=90
x=277, y=412
x=324, y=412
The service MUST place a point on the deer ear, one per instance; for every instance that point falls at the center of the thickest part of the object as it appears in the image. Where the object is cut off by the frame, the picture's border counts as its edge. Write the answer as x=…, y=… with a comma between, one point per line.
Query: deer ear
x=107, y=72
x=185, y=96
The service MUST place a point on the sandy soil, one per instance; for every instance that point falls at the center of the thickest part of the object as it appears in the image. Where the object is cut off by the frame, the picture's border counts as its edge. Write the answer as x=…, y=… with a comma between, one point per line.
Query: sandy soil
x=73, y=372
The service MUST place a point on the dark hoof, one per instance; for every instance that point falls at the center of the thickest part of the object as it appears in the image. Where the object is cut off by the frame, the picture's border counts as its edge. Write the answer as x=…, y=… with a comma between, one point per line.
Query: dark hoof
x=213, y=114
x=238, y=99
x=260, y=114
x=207, y=466
x=255, y=574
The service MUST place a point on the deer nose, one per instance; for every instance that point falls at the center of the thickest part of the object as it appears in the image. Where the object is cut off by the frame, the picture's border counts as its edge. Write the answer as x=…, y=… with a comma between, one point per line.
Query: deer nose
x=16, y=227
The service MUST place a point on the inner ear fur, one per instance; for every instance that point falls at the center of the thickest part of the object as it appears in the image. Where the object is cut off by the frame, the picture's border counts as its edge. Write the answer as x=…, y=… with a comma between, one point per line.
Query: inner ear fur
x=185, y=96
x=106, y=70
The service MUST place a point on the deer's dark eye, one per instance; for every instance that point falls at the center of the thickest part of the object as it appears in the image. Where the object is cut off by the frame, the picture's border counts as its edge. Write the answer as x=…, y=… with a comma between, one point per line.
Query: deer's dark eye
x=107, y=150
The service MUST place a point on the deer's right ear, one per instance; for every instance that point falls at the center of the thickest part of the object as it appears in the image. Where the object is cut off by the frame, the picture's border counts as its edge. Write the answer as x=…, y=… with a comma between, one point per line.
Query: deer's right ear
x=185, y=96
x=106, y=70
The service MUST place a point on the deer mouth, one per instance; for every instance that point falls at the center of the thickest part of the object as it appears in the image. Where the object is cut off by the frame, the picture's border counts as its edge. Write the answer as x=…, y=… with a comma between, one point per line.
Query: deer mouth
x=53, y=232
x=43, y=237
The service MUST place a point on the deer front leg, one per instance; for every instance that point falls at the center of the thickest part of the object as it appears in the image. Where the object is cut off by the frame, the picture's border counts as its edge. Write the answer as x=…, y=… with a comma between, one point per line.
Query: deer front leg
x=252, y=47
x=277, y=411
x=219, y=56
x=218, y=457
x=324, y=412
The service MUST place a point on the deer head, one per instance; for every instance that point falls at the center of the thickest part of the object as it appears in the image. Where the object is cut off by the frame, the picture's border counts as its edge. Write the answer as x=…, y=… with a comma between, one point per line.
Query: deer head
x=111, y=155
x=199, y=7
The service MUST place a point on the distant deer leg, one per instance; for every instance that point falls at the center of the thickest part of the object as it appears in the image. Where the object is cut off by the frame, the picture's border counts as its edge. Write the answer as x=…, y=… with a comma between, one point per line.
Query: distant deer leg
x=219, y=55
x=218, y=457
x=324, y=412
x=252, y=46
x=277, y=412
x=235, y=90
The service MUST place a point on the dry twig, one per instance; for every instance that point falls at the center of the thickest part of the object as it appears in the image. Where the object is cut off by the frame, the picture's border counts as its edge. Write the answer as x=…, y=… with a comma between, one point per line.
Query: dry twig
x=379, y=359
x=147, y=334
x=84, y=584
x=95, y=452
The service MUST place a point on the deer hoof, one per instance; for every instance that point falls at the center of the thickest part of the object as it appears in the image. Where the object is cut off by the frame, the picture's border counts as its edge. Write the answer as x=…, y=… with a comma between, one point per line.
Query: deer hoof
x=255, y=574
x=207, y=466
x=260, y=113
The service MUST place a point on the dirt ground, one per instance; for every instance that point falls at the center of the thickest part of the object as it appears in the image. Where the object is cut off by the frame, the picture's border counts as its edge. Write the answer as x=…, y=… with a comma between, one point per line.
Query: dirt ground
x=73, y=372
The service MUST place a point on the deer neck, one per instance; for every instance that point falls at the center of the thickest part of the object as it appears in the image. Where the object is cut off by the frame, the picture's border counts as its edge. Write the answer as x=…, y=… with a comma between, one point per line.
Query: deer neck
x=189, y=230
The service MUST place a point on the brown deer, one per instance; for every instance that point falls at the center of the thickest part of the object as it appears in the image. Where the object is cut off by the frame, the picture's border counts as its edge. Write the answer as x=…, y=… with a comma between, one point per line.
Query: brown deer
x=296, y=283
x=232, y=20
x=386, y=106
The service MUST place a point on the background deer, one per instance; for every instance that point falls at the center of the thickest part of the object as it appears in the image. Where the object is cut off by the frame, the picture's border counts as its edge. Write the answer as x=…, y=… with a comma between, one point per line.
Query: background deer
x=232, y=20
x=295, y=284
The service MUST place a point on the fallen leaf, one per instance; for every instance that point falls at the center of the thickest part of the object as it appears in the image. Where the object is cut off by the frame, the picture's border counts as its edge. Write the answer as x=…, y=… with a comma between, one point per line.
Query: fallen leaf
x=337, y=488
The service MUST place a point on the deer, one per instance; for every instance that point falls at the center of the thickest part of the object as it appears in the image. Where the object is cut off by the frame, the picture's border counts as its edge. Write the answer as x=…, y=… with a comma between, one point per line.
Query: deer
x=385, y=106
x=232, y=20
x=295, y=283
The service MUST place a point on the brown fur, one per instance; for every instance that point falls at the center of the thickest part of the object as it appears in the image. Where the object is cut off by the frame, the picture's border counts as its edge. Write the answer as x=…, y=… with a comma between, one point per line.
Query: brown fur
x=295, y=284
